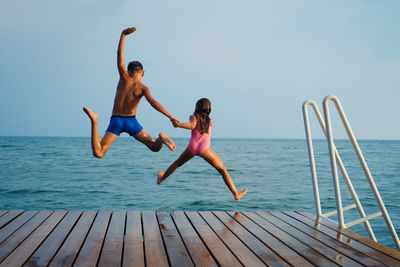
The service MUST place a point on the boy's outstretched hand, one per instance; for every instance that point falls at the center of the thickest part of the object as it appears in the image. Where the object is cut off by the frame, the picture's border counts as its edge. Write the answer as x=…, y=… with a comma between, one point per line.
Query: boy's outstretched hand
x=128, y=31
x=174, y=122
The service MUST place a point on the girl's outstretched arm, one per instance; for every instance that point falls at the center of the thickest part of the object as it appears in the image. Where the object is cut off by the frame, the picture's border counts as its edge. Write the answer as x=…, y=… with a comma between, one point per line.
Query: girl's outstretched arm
x=187, y=125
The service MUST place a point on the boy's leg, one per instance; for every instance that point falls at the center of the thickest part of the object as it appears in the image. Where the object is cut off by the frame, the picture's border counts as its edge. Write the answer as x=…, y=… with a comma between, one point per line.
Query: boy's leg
x=183, y=158
x=211, y=157
x=155, y=145
x=99, y=148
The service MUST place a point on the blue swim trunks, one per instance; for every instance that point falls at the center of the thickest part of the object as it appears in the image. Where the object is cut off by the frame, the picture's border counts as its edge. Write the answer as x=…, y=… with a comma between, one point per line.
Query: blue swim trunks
x=119, y=124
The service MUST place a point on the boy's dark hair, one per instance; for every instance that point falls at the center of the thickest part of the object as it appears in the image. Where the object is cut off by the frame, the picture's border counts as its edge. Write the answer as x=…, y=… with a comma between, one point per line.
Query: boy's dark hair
x=203, y=110
x=135, y=66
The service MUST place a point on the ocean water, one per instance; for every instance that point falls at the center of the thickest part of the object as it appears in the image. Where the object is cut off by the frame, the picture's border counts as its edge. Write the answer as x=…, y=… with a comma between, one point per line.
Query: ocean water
x=61, y=173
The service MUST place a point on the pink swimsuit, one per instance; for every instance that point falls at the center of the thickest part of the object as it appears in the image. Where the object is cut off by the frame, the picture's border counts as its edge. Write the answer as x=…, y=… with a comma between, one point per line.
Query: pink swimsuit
x=199, y=143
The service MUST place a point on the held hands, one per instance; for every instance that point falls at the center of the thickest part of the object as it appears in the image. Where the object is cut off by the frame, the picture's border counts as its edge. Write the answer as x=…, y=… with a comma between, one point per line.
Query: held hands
x=128, y=31
x=175, y=122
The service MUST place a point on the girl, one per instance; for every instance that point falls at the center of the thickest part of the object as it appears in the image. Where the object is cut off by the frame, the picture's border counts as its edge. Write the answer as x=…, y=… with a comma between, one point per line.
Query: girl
x=199, y=145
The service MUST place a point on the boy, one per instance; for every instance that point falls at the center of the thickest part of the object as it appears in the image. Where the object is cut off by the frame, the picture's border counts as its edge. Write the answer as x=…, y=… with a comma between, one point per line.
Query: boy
x=129, y=92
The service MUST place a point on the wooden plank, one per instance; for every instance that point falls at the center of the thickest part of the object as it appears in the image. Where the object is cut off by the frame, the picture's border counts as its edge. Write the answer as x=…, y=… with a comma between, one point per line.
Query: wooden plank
x=368, y=251
x=21, y=234
x=11, y=215
x=2, y=212
x=69, y=250
x=133, y=246
x=243, y=253
x=176, y=250
x=90, y=252
x=329, y=241
x=53, y=242
x=268, y=239
x=197, y=250
x=322, y=248
x=185, y=239
x=153, y=244
x=217, y=248
x=111, y=254
x=30, y=244
x=305, y=251
x=268, y=256
x=362, y=239
x=11, y=227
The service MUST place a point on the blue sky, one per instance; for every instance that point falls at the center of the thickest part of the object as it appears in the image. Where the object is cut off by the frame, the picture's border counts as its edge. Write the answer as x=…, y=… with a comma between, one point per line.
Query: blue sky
x=257, y=61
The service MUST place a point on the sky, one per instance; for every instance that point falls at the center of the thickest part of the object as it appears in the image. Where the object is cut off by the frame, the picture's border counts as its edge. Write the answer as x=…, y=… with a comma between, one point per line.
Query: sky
x=257, y=61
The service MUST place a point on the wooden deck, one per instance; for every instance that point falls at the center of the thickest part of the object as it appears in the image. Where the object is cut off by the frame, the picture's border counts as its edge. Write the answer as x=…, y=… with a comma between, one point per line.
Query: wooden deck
x=148, y=238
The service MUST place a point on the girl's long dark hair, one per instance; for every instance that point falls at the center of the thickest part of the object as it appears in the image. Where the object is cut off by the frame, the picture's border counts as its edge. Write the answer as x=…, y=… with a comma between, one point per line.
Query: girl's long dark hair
x=202, y=112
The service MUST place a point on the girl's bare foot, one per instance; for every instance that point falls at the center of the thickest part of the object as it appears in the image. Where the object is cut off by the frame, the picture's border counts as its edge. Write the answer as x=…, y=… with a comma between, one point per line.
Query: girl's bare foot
x=159, y=176
x=167, y=141
x=93, y=116
x=240, y=194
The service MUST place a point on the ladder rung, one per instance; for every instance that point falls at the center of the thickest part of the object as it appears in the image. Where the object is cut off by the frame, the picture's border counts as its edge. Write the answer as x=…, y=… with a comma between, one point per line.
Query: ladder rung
x=364, y=219
x=334, y=212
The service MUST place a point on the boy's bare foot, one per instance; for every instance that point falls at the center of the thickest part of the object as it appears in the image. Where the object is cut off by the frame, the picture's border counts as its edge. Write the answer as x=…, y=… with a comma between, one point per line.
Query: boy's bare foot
x=159, y=176
x=167, y=141
x=93, y=116
x=240, y=194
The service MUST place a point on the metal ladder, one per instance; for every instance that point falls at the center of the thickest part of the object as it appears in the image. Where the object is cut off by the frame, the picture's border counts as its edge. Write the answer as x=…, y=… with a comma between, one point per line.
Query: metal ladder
x=336, y=160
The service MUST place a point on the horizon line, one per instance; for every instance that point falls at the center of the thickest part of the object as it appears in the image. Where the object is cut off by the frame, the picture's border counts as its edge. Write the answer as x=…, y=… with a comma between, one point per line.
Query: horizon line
x=176, y=137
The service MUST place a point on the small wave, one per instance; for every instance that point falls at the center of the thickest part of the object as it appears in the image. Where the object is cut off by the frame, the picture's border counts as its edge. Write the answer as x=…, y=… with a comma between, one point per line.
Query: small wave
x=32, y=191
x=96, y=192
x=196, y=203
x=50, y=154
x=7, y=146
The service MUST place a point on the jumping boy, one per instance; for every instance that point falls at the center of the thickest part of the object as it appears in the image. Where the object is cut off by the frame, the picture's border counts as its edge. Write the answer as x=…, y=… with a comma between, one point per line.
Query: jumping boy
x=129, y=92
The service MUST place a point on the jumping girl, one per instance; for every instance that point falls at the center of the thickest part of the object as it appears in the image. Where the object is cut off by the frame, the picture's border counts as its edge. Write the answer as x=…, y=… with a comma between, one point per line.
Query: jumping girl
x=199, y=145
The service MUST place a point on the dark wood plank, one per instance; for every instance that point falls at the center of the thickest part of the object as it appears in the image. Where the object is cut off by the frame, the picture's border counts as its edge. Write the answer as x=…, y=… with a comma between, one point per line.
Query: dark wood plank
x=111, y=254
x=268, y=256
x=243, y=253
x=90, y=252
x=66, y=255
x=11, y=227
x=176, y=250
x=275, y=244
x=21, y=234
x=362, y=239
x=11, y=215
x=154, y=247
x=217, y=248
x=182, y=239
x=327, y=240
x=31, y=243
x=197, y=250
x=133, y=246
x=322, y=248
x=50, y=246
x=307, y=252
x=366, y=250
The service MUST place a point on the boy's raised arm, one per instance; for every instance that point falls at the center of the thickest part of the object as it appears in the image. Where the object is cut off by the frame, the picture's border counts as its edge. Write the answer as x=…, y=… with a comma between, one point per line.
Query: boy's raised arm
x=120, y=56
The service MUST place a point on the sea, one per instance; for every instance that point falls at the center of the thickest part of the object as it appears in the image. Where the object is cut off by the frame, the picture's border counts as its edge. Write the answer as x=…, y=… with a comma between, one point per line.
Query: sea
x=49, y=173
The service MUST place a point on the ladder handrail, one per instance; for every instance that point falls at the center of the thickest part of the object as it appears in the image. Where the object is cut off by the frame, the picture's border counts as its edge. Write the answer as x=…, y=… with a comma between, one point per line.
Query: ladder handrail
x=335, y=159
x=311, y=151
x=361, y=159
x=339, y=162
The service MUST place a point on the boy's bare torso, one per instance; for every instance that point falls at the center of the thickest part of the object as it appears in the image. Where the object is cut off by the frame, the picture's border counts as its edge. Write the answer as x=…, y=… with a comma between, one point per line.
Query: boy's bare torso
x=128, y=95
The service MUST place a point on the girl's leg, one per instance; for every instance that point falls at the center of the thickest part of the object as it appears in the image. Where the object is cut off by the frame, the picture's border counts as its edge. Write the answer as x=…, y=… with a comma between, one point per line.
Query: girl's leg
x=183, y=158
x=211, y=157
